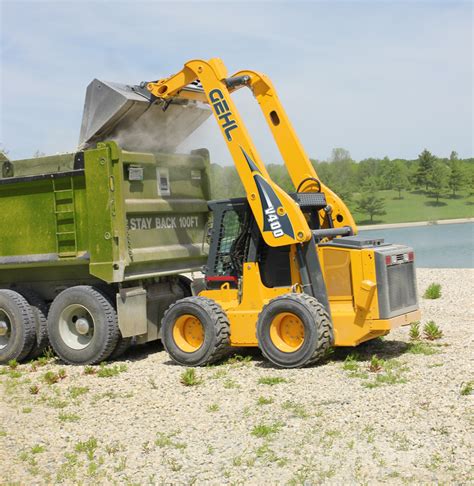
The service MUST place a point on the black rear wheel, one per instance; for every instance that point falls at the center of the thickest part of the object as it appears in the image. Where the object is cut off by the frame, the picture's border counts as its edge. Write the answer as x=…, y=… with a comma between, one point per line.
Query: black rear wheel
x=17, y=326
x=195, y=331
x=40, y=312
x=294, y=330
x=82, y=325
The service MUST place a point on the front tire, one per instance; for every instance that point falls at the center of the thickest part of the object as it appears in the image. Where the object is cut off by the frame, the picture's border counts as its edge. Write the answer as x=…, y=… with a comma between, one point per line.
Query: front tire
x=17, y=326
x=82, y=325
x=294, y=330
x=195, y=331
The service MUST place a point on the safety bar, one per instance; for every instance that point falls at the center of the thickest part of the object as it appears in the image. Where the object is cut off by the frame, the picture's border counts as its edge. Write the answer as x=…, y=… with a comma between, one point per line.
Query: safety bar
x=331, y=232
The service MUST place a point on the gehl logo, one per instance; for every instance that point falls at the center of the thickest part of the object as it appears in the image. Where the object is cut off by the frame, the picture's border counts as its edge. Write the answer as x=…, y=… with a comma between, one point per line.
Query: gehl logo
x=223, y=112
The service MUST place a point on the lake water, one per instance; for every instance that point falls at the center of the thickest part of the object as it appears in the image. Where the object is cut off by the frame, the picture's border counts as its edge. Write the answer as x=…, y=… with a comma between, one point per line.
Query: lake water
x=436, y=246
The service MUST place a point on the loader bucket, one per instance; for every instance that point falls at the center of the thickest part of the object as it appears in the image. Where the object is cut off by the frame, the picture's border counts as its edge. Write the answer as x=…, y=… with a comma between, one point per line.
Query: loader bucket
x=129, y=115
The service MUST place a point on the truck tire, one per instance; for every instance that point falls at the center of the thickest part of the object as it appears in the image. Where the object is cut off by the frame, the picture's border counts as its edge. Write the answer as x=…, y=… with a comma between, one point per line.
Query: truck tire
x=40, y=312
x=195, y=331
x=294, y=330
x=122, y=346
x=17, y=326
x=82, y=325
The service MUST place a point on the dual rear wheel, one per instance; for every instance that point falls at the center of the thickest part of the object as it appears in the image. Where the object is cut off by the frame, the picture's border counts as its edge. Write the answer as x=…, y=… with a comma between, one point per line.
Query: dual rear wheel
x=81, y=326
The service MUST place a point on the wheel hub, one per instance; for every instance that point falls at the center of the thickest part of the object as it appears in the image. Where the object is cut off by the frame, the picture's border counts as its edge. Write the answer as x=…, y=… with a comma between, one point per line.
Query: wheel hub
x=82, y=325
x=188, y=333
x=3, y=328
x=287, y=332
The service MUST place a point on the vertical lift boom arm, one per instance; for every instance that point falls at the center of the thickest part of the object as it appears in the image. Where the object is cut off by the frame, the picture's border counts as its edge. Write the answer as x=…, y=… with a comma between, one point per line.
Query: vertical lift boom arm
x=278, y=216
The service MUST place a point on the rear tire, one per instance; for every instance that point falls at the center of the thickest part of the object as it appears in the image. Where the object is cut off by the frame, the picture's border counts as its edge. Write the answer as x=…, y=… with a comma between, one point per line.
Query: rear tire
x=195, y=331
x=40, y=312
x=122, y=346
x=17, y=326
x=294, y=330
x=82, y=325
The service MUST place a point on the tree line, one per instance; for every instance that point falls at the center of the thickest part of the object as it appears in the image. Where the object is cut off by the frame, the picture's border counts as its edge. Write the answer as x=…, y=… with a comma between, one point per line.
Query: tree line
x=359, y=183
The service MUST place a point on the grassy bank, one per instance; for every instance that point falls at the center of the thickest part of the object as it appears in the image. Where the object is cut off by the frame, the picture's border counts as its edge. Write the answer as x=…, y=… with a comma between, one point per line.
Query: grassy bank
x=417, y=206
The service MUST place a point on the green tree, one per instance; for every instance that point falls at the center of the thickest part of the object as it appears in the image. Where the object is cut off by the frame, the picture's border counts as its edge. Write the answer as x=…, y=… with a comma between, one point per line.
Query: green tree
x=456, y=177
x=397, y=177
x=372, y=204
x=426, y=161
x=439, y=179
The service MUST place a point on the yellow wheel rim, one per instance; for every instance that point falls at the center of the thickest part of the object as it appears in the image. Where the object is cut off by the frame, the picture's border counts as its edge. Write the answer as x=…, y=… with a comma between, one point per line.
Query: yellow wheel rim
x=188, y=333
x=287, y=332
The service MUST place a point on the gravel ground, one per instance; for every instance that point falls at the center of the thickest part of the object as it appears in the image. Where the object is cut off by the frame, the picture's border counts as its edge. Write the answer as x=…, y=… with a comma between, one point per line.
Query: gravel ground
x=336, y=423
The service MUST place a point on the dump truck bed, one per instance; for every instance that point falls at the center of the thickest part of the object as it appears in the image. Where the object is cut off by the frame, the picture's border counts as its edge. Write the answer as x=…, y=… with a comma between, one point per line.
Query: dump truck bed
x=103, y=214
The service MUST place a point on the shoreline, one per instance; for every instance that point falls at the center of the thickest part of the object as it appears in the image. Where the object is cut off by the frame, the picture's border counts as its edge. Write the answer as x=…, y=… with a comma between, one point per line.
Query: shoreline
x=415, y=223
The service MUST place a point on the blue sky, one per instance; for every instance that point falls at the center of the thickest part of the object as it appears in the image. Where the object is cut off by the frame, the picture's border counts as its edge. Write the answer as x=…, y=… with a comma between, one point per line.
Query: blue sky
x=377, y=78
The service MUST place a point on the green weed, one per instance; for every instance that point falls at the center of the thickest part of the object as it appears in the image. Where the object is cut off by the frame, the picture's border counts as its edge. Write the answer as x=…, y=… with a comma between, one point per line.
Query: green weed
x=433, y=291
x=109, y=371
x=295, y=408
x=467, y=388
x=88, y=447
x=272, y=380
x=415, y=331
x=376, y=364
x=263, y=430
x=213, y=407
x=264, y=401
x=50, y=377
x=164, y=440
x=34, y=389
x=189, y=377
x=13, y=364
x=421, y=348
x=89, y=370
x=431, y=331
x=68, y=417
x=77, y=391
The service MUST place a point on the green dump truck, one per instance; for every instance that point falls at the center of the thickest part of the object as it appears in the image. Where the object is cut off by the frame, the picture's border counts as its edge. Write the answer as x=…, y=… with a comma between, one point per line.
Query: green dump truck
x=93, y=243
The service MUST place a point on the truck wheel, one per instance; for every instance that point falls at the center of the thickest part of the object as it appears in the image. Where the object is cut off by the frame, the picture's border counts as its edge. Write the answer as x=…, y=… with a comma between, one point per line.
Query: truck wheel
x=122, y=346
x=17, y=326
x=82, y=325
x=40, y=312
x=195, y=331
x=294, y=330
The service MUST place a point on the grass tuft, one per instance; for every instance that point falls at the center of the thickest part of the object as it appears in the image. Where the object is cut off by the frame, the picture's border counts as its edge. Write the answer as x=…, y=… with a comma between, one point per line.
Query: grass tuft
x=13, y=364
x=189, y=377
x=264, y=401
x=415, y=334
x=421, y=348
x=376, y=364
x=467, y=388
x=263, y=430
x=431, y=331
x=50, y=377
x=272, y=380
x=109, y=371
x=433, y=291
x=34, y=389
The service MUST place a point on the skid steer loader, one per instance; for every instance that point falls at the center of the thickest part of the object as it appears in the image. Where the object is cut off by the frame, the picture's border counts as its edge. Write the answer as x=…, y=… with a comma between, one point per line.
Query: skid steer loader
x=285, y=272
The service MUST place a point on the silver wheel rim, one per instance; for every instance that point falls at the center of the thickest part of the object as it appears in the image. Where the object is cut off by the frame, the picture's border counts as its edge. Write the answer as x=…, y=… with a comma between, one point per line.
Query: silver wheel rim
x=76, y=326
x=5, y=329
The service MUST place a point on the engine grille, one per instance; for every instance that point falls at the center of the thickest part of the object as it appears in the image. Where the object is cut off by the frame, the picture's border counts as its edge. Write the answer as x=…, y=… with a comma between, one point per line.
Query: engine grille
x=396, y=282
x=401, y=286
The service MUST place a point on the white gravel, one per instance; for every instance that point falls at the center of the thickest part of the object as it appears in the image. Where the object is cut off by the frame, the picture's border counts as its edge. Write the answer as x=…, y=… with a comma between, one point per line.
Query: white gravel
x=324, y=424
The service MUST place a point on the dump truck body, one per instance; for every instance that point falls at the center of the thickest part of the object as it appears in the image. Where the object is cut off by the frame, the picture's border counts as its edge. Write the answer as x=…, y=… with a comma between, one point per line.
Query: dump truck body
x=134, y=220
